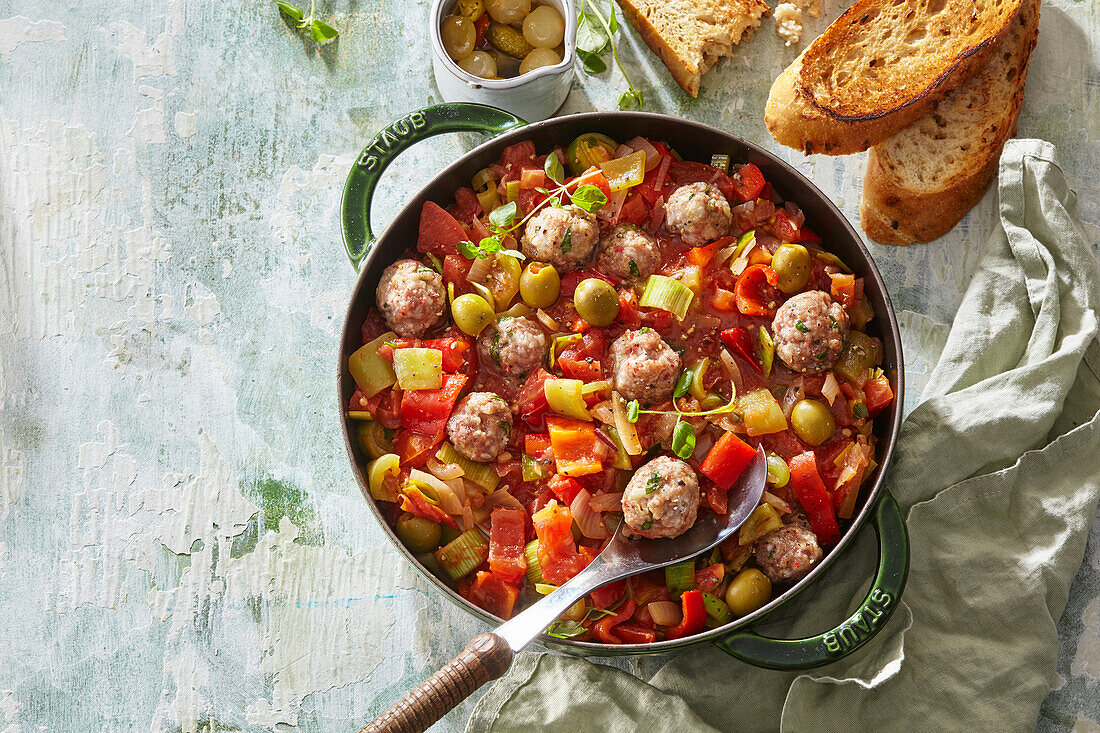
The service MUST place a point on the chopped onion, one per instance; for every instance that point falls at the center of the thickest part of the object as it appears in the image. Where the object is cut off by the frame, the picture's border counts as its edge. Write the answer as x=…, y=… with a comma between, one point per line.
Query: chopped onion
x=602, y=412
x=662, y=171
x=795, y=392
x=657, y=218
x=831, y=388
x=546, y=320
x=479, y=270
x=623, y=150
x=444, y=471
x=795, y=213
x=501, y=498
x=606, y=439
x=652, y=157
x=607, y=502
x=776, y=503
x=588, y=521
x=448, y=499
x=665, y=613
x=610, y=210
x=733, y=372
x=628, y=434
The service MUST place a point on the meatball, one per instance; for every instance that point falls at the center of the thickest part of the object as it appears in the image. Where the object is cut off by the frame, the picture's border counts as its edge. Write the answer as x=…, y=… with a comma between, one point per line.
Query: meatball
x=787, y=553
x=809, y=331
x=699, y=213
x=628, y=252
x=410, y=297
x=513, y=346
x=480, y=426
x=662, y=498
x=563, y=237
x=642, y=366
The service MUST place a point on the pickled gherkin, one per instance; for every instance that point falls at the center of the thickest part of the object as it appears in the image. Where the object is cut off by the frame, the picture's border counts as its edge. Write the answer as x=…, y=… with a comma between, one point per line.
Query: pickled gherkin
x=508, y=39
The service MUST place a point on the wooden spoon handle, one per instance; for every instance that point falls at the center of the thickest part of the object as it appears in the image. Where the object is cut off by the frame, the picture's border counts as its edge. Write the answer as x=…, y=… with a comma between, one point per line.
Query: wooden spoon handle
x=485, y=658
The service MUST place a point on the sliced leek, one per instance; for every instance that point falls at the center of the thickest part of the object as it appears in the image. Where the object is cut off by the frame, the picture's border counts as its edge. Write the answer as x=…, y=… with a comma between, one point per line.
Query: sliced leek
x=378, y=470
x=559, y=344
x=481, y=474
x=534, y=568
x=667, y=294
x=762, y=520
x=565, y=397
x=460, y=556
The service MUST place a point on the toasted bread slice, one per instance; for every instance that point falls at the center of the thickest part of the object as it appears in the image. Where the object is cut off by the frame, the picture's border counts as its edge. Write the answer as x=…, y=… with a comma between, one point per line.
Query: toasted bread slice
x=691, y=35
x=879, y=67
x=923, y=180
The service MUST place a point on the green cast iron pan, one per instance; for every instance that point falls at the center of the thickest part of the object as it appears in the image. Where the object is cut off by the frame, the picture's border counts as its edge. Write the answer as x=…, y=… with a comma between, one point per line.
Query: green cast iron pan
x=695, y=142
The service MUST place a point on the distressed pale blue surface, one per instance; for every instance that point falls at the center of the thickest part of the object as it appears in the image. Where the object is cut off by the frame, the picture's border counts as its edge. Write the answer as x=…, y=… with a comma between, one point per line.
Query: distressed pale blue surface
x=182, y=546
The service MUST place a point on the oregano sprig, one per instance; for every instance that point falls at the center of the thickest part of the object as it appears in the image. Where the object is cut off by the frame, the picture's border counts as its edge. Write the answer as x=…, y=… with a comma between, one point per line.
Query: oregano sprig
x=321, y=32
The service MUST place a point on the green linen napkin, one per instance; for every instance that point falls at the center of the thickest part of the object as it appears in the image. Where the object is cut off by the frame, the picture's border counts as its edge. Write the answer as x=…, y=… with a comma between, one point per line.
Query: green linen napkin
x=998, y=469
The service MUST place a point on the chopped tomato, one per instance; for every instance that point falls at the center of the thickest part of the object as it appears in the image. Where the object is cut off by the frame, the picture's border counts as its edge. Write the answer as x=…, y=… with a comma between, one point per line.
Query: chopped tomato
x=529, y=199
x=628, y=309
x=425, y=411
x=455, y=269
x=808, y=236
x=784, y=227
x=813, y=497
x=652, y=187
x=879, y=394
x=843, y=290
x=748, y=182
x=439, y=232
x=415, y=449
x=557, y=552
x=634, y=633
x=721, y=300
x=532, y=178
x=608, y=595
x=741, y=343
x=415, y=502
x=683, y=172
x=531, y=400
x=454, y=352
x=506, y=542
x=756, y=292
x=359, y=401
x=577, y=450
x=467, y=207
x=515, y=157
x=388, y=408
x=582, y=360
x=565, y=488
x=695, y=615
x=492, y=593
x=727, y=460
x=604, y=626
x=710, y=578
x=634, y=209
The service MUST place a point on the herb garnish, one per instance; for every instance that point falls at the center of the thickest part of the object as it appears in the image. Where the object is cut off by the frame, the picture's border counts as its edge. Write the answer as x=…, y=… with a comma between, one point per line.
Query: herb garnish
x=801, y=326
x=320, y=31
x=594, y=36
x=653, y=483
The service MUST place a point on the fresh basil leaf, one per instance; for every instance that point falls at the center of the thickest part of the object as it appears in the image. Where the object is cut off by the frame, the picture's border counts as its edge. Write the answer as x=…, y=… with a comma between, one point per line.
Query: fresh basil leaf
x=631, y=99
x=567, y=241
x=591, y=36
x=683, y=440
x=859, y=409
x=634, y=271
x=632, y=411
x=647, y=525
x=591, y=62
x=683, y=384
x=494, y=347
x=653, y=483
x=589, y=197
x=468, y=250
x=322, y=32
x=555, y=202
x=801, y=327
x=488, y=246
x=553, y=168
x=612, y=23
x=290, y=10
x=503, y=216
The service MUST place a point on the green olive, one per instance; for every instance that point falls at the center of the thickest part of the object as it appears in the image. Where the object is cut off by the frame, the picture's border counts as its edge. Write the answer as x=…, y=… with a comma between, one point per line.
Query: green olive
x=747, y=592
x=539, y=285
x=448, y=535
x=596, y=302
x=792, y=263
x=812, y=421
x=472, y=313
x=418, y=534
x=860, y=354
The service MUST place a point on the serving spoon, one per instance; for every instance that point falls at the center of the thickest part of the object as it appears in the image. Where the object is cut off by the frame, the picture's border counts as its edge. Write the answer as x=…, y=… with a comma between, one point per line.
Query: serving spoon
x=488, y=656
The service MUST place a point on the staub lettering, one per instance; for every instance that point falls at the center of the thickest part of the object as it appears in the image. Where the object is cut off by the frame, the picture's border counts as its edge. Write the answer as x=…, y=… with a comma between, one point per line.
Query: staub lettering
x=383, y=143
x=860, y=626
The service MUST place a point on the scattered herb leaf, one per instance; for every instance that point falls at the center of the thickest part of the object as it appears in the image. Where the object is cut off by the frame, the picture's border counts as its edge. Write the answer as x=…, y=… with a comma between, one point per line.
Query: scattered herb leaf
x=503, y=216
x=683, y=440
x=553, y=168
x=683, y=384
x=802, y=327
x=589, y=197
x=321, y=32
x=632, y=411
x=859, y=409
x=653, y=483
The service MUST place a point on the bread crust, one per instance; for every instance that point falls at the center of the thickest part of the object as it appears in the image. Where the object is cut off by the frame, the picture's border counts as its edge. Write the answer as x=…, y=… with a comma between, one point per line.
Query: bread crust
x=819, y=123
x=892, y=212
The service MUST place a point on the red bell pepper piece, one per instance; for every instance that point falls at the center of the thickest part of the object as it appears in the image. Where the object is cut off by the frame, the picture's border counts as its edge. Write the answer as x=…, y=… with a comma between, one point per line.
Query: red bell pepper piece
x=558, y=554
x=756, y=292
x=727, y=460
x=481, y=26
x=748, y=182
x=583, y=360
x=695, y=615
x=634, y=633
x=492, y=593
x=843, y=290
x=536, y=444
x=386, y=407
x=785, y=227
x=454, y=352
x=741, y=342
x=506, y=542
x=414, y=502
x=812, y=495
x=425, y=411
x=608, y=595
x=592, y=177
x=604, y=626
x=439, y=232
x=879, y=394
x=565, y=488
